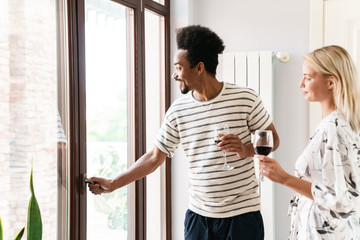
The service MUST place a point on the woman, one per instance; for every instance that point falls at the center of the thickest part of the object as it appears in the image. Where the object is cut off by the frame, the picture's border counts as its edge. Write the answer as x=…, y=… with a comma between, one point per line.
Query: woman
x=327, y=174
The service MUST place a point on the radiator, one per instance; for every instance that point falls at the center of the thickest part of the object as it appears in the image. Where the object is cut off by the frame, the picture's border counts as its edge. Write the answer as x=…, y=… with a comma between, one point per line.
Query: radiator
x=251, y=69
x=256, y=70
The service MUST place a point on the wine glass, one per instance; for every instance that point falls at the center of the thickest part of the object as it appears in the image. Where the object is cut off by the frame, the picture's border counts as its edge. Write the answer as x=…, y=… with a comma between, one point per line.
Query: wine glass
x=219, y=131
x=263, y=144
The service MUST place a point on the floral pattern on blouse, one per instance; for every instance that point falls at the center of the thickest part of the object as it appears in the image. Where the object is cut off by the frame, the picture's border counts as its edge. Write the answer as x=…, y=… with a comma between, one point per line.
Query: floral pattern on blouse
x=331, y=162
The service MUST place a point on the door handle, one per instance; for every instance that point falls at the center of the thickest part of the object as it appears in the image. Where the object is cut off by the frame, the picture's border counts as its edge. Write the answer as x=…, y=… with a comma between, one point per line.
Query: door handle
x=83, y=180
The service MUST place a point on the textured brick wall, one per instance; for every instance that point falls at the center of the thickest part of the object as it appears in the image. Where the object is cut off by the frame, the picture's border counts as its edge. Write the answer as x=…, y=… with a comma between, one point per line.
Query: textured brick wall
x=28, y=111
x=4, y=111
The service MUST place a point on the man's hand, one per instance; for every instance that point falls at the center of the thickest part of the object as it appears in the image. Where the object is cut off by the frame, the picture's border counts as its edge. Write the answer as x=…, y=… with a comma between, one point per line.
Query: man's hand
x=232, y=143
x=99, y=185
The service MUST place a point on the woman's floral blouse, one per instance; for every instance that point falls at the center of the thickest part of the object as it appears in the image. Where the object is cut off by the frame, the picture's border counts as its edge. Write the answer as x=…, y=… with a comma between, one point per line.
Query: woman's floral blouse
x=331, y=162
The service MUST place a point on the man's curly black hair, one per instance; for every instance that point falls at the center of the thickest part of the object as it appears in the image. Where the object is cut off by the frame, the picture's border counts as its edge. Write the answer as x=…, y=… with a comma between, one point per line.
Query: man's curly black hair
x=202, y=45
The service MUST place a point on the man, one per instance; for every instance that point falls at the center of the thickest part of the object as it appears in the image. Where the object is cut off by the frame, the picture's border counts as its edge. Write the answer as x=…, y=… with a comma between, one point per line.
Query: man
x=223, y=204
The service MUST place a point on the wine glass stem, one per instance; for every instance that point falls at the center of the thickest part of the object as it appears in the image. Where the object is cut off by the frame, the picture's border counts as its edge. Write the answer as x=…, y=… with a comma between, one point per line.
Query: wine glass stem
x=225, y=160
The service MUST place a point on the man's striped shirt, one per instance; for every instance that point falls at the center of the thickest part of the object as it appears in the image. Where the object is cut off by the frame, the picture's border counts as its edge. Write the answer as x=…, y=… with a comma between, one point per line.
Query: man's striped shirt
x=214, y=192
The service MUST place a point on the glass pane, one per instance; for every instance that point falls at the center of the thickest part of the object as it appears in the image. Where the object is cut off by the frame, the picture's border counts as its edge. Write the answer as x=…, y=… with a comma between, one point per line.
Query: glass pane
x=62, y=125
x=30, y=67
x=160, y=1
x=155, y=108
x=109, y=78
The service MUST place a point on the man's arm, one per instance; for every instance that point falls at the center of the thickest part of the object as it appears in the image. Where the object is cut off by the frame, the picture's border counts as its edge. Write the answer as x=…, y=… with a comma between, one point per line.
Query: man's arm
x=145, y=165
x=232, y=143
x=275, y=136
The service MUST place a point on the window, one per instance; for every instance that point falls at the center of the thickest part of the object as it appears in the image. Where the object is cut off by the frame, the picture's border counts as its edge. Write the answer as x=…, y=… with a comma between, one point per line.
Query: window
x=119, y=63
x=109, y=79
x=155, y=112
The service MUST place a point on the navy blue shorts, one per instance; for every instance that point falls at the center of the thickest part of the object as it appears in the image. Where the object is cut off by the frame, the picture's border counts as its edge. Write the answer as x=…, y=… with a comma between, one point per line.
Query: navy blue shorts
x=248, y=226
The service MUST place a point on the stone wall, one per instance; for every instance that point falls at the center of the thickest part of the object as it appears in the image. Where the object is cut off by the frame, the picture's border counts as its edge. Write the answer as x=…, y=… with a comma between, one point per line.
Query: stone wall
x=28, y=100
x=4, y=111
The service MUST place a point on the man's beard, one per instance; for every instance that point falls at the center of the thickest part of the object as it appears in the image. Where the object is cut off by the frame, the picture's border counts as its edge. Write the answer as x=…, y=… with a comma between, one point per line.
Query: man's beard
x=184, y=90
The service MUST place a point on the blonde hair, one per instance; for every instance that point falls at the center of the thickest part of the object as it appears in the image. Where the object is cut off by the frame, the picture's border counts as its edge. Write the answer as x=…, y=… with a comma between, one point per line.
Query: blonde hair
x=336, y=61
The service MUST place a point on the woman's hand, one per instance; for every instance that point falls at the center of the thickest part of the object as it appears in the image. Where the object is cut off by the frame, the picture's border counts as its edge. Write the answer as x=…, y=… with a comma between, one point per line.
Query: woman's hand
x=101, y=185
x=271, y=169
x=232, y=143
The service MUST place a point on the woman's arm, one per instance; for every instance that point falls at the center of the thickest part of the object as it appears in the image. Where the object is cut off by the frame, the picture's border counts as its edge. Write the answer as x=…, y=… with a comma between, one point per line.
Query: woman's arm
x=271, y=169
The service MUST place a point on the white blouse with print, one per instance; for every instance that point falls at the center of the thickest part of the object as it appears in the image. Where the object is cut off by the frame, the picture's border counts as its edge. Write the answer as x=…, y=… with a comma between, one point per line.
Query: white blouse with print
x=331, y=162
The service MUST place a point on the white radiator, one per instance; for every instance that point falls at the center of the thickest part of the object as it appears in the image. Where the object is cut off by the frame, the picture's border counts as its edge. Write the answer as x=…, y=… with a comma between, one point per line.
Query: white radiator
x=255, y=70
x=251, y=69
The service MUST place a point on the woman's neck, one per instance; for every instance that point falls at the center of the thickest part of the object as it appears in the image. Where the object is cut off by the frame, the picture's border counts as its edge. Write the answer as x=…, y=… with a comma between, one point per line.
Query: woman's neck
x=327, y=108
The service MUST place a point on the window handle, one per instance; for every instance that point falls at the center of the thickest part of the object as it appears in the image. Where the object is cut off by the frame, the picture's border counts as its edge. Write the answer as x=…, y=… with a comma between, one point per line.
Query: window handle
x=83, y=180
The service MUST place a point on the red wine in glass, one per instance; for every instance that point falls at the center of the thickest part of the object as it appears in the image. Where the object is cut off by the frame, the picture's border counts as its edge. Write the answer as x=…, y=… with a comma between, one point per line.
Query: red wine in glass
x=263, y=150
x=263, y=144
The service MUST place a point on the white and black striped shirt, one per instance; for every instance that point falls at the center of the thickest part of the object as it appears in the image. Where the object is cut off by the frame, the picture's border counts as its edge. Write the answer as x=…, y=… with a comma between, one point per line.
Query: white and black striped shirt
x=214, y=192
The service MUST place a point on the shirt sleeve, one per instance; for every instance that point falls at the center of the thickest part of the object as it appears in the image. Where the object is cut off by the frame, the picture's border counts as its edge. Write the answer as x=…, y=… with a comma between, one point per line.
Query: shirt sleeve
x=338, y=192
x=258, y=117
x=167, y=139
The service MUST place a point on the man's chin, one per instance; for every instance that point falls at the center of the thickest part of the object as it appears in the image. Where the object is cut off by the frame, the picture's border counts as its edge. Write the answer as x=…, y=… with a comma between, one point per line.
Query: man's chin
x=184, y=90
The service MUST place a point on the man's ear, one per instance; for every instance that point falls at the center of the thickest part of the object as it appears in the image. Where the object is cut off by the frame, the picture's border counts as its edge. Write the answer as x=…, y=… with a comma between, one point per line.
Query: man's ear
x=200, y=67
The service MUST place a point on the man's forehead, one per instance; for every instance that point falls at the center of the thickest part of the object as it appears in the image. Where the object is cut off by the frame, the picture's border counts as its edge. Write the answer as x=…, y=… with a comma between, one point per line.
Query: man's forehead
x=179, y=55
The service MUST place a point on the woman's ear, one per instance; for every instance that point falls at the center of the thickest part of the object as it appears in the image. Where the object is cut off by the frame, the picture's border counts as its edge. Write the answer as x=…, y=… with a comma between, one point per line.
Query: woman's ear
x=333, y=81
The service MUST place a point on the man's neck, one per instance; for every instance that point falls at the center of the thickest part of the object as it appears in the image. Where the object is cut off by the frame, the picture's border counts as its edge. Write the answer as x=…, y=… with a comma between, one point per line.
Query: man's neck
x=209, y=89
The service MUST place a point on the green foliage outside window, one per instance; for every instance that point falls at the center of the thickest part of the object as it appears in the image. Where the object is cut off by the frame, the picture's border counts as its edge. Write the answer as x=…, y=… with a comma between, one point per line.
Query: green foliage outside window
x=114, y=204
x=110, y=123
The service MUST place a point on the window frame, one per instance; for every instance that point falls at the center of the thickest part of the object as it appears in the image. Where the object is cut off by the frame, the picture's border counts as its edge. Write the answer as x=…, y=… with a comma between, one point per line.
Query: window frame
x=77, y=113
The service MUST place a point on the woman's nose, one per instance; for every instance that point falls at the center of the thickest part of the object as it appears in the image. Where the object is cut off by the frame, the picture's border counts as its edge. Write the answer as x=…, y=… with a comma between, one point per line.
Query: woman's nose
x=301, y=84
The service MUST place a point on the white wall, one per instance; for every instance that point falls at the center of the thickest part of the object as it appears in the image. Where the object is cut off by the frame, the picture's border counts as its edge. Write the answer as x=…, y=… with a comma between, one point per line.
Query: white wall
x=277, y=25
